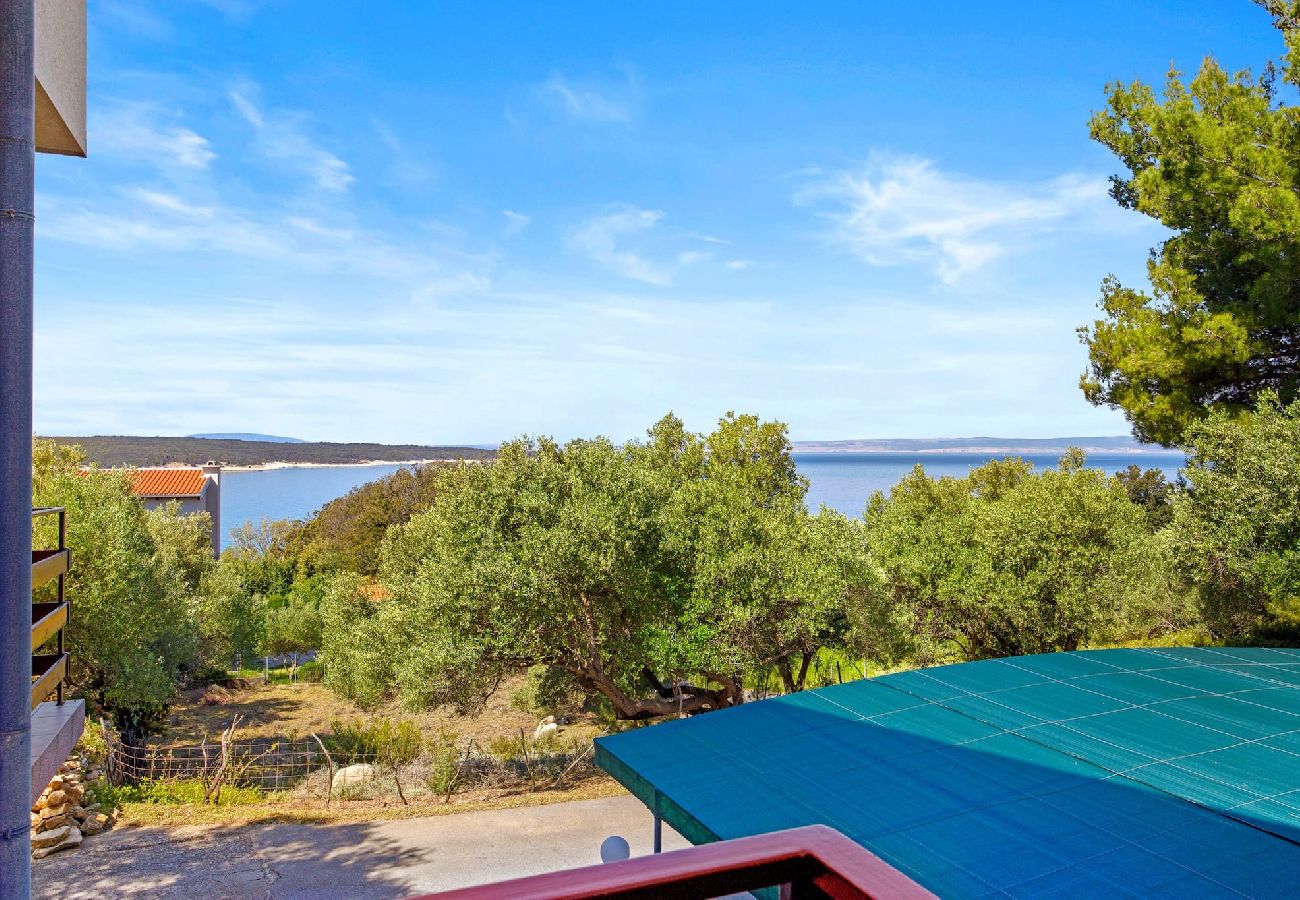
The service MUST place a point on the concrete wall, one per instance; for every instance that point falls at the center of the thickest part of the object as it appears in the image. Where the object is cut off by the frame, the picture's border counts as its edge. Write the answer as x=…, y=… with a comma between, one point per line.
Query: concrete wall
x=61, y=77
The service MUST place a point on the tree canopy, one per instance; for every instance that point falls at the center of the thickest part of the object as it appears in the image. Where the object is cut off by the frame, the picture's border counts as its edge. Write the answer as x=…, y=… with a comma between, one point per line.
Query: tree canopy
x=1216, y=160
x=657, y=573
x=131, y=629
x=1238, y=525
x=1003, y=562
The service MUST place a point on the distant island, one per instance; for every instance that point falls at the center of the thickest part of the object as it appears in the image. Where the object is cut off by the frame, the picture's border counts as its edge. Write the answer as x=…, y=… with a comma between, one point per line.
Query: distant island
x=992, y=445
x=249, y=436
x=111, y=451
x=244, y=450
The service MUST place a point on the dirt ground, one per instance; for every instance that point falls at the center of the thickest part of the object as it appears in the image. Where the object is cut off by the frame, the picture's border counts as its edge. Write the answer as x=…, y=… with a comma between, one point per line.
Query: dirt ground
x=291, y=711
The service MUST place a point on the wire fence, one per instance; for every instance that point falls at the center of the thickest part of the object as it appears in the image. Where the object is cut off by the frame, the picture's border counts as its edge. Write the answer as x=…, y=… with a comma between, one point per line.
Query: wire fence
x=311, y=769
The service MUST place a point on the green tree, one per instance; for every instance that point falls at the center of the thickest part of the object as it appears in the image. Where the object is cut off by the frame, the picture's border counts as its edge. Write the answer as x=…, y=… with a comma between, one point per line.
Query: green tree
x=1150, y=490
x=1238, y=524
x=656, y=573
x=1004, y=562
x=183, y=541
x=132, y=627
x=1217, y=161
x=231, y=619
x=346, y=533
x=357, y=643
x=293, y=623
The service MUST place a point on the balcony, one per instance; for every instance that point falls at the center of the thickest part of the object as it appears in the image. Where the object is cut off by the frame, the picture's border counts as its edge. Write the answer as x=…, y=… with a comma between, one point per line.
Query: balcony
x=809, y=863
x=56, y=725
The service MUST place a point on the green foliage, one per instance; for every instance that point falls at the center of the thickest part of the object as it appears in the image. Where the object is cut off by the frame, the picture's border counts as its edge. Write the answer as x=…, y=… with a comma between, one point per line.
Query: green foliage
x=260, y=554
x=386, y=741
x=346, y=534
x=183, y=542
x=293, y=622
x=546, y=690
x=444, y=770
x=1003, y=562
x=132, y=628
x=356, y=641
x=1150, y=490
x=654, y=573
x=230, y=618
x=1238, y=525
x=1215, y=161
x=177, y=792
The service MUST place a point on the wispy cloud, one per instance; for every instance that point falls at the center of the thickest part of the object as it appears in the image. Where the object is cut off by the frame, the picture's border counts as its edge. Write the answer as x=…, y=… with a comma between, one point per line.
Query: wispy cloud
x=515, y=222
x=282, y=136
x=591, y=100
x=605, y=239
x=905, y=209
x=140, y=133
x=132, y=16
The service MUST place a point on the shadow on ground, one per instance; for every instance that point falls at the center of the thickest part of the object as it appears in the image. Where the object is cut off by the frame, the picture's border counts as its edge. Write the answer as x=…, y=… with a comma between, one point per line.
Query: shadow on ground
x=361, y=860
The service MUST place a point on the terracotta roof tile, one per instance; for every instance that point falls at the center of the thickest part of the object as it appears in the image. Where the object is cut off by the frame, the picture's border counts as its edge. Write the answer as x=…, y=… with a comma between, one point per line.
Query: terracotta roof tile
x=168, y=482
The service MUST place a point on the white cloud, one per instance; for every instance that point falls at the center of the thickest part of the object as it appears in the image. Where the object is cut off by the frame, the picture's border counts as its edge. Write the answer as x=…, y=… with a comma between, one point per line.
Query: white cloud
x=282, y=137
x=632, y=242
x=133, y=132
x=904, y=209
x=592, y=102
x=515, y=222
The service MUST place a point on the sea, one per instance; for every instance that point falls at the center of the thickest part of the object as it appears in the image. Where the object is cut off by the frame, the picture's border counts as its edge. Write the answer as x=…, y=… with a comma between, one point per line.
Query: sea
x=843, y=481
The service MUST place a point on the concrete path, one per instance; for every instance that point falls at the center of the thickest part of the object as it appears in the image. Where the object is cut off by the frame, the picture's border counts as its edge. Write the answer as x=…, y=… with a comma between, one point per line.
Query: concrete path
x=371, y=859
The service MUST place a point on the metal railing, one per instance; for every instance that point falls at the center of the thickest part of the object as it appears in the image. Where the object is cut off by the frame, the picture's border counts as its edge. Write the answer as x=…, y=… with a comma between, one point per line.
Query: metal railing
x=49, y=618
x=801, y=863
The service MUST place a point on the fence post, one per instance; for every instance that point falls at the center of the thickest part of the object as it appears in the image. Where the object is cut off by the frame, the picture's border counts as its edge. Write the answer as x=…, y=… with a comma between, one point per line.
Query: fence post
x=329, y=788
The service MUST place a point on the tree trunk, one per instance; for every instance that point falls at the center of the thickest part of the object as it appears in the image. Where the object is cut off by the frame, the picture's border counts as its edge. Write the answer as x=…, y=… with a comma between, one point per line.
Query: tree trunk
x=692, y=699
x=803, y=670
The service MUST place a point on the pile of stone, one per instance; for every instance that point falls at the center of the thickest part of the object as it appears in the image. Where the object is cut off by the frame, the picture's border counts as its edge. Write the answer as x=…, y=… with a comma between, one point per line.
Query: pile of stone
x=66, y=811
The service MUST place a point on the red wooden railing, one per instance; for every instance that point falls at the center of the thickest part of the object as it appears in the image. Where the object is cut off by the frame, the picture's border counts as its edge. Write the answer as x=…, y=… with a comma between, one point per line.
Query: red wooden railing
x=810, y=862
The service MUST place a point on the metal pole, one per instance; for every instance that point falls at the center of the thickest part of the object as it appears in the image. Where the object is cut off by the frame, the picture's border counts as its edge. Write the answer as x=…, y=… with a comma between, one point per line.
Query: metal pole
x=17, y=167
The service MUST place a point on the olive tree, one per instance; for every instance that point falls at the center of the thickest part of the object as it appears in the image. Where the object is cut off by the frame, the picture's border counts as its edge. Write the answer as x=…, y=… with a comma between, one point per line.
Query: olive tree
x=1005, y=561
x=657, y=573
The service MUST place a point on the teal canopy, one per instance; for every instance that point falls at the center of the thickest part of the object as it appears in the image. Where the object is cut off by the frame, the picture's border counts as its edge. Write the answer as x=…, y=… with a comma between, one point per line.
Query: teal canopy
x=1149, y=772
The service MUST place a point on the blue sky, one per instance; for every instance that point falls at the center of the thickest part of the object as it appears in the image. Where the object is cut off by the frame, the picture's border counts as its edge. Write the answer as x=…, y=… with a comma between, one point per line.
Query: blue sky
x=459, y=222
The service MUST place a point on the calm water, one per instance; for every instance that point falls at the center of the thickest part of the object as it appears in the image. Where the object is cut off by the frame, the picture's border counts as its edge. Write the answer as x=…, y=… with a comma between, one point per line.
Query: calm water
x=842, y=481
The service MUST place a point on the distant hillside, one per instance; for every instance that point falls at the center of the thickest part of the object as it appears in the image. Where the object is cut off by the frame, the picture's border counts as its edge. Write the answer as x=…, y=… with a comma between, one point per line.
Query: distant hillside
x=159, y=451
x=249, y=436
x=1113, y=444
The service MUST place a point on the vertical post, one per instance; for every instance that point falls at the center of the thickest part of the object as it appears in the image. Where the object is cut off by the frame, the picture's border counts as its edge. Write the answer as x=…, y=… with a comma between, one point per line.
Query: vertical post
x=17, y=171
x=659, y=827
x=63, y=543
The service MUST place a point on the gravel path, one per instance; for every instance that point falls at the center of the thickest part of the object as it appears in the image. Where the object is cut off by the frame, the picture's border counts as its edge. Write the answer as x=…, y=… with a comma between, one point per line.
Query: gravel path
x=370, y=859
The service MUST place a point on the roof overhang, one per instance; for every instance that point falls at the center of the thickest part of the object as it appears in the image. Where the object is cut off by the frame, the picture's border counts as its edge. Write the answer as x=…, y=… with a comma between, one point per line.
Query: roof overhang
x=61, y=77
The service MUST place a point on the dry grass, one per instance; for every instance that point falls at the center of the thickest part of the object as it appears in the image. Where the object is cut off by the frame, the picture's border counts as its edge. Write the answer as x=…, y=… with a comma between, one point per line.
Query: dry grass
x=292, y=809
x=294, y=711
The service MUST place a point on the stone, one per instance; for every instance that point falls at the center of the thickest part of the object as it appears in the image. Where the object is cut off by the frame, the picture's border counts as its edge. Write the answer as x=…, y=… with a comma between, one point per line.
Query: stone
x=50, y=812
x=95, y=824
x=52, y=837
x=79, y=813
x=72, y=839
x=74, y=792
x=35, y=820
x=355, y=774
x=57, y=797
x=54, y=823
